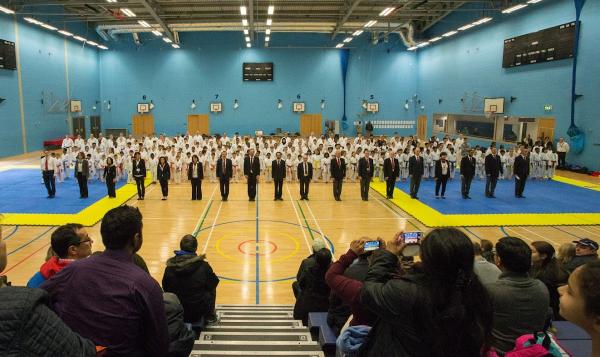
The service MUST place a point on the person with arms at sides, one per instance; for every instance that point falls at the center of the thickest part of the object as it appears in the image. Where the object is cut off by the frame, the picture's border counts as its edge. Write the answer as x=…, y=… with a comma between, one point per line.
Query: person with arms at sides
x=467, y=172
x=521, y=169
x=139, y=174
x=391, y=171
x=110, y=176
x=493, y=169
x=486, y=272
x=442, y=174
x=416, y=168
x=306, y=263
x=191, y=278
x=82, y=171
x=546, y=268
x=586, y=250
x=365, y=174
x=562, y=148
x=49, y=172
x=109, y=299
x=70, y=242
x=440, y=310
x=580, y=301
x=338, y=173
x=195, y=175
x=163, y=173
x=251, y=172
x=305, y=174
x=520, y=302
x=224, y=172
x=278, y=175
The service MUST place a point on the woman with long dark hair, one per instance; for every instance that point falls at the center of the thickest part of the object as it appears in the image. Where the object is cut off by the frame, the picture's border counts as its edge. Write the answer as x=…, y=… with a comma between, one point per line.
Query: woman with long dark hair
x=110, y=176
x=545, y=267
x=163, y=173
x=443, y=310
x=195, y=175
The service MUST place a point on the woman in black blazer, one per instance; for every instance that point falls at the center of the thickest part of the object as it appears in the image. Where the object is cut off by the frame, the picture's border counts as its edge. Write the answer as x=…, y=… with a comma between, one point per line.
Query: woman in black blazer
x=163, y=173
x=82, y=171
x=442, y=174
x=195, y=175
x=110, y=176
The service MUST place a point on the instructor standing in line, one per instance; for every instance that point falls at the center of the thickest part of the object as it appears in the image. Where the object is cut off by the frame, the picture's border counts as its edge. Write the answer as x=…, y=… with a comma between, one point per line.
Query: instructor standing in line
x=415, y=170
x=493, y=169
x=467, y=171
x=338, y=173
x=251, y=172
x=391, y=171
x=521, y=170
x=224, y=172
x=139, y=174
x=48, y=166
x=278, y=175
x=365, y=174
x=305, y=174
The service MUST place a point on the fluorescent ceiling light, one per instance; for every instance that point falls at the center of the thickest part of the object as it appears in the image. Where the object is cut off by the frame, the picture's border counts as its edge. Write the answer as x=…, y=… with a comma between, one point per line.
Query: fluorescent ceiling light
x=514, y=8
x=450, y=33
x=357, y=33
x=246, y=31
x=267, y=31
x=175, y=45
x=370, y=23
x=32, y=20
x=244, y=22
x=144, y=23
x=49, y=27
x=243, y=11
x=167, y=40
x=423, y=44
x=79, y=38
x=466, y=27
x=348, y=39
x=103, y=47
x=247, y=38
x=271, y=10
x=482, y=21
x=339, y=45
x=435, y=39
x=111, y=1
x=128, y=12
x=386, y=11
x=66, y=33
x=533, y=1
x=157, y=33
x=269, y=22
x=412, y=48
x=248, y=45
x=92, y=43
x=267, y=39
x=6, y=10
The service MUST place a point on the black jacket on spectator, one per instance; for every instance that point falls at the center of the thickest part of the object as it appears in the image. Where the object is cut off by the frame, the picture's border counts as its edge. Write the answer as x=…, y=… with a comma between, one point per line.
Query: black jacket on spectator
x=199, y=170
x=31, y=328
x=416, y=168
x=192, y=279
x=338, y=172
x=521, y=166
x=578, y=261
x=362, y=167
x=278, y=171
x=467, y=166
x=181, y=339
x=493, y=166
x=228, y=169
x=163, y=174
x=552, y=277
x=301, y=173
x=313, y=293
x=438, y=169
x=387, y=168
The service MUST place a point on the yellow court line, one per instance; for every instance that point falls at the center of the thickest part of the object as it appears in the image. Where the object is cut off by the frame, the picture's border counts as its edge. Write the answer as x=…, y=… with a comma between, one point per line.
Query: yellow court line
x=578, y=183
x=433, y=218
x=87, y=217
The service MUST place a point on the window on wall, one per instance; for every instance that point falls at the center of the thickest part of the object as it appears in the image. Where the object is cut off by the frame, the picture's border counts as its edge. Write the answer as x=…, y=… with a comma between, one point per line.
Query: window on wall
x=510, y=132
x=481, y=129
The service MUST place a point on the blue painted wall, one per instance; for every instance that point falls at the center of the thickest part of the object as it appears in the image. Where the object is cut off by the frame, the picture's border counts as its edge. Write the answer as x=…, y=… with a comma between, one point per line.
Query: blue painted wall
x=472, y=62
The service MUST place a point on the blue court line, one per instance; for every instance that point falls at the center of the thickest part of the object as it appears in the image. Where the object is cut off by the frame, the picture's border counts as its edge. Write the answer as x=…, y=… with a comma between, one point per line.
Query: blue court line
x=504, y=231
x=253, y=281
x=11, y=233
x=31, y=241
x=257, y=255
x=470, y=231
x=569, y=233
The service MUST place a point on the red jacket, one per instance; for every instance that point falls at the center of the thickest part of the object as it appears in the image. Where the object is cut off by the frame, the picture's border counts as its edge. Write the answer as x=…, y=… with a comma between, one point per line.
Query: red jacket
x=53, y=266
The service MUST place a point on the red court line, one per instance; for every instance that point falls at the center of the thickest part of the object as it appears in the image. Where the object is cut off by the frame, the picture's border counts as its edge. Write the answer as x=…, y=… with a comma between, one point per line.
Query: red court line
x=24, y=259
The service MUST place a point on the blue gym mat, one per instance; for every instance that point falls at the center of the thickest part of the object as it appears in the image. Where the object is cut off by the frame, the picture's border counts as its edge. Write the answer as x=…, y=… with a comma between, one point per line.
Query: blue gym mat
x=22, y=191
x=547, y=196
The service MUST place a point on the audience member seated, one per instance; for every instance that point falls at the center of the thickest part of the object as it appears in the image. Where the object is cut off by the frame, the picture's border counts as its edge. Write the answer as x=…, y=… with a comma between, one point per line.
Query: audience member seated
x=345, y=278
x=306, y=264
x=546, y=268
x=586, y=251
x=442, y=311
x=31, y=328
x=486, y=272
x=487, y=250
x=182, y=339
x=314, y=292
x=69, y=243
x=520, y=303
x=566, y=252
x=110, y=300
x=580, y=301
x=191, y=278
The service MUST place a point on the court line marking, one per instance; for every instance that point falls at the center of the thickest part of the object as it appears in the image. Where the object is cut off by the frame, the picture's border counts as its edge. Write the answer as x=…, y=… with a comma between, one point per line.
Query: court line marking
x=31, y=241
x=471, y=232
x=539, y=235
x=212, y=228
x=569, y=233
x=519, y=235
x=299, y=220
x=401, y=216
x=11, y=233
x=305, y=221
x=203, y=216
x=314, y=219
x=30, y=255
x=257, y=255
x=587, y=231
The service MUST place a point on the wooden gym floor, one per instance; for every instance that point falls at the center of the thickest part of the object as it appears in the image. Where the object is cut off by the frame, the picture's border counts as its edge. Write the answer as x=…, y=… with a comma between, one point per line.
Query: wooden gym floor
x=256, y=247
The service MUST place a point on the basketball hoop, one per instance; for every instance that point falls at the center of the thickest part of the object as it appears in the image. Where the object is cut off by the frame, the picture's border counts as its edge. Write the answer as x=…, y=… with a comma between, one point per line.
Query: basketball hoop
x=489, y=114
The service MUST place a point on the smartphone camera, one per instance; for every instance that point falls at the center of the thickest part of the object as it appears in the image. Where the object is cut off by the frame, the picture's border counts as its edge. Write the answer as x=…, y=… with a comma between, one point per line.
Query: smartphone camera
x=371, y=246
x=413, y=243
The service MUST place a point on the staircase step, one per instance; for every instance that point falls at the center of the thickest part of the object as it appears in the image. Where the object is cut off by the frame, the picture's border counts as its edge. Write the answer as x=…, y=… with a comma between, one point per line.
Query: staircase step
x=255, y=307
x=257, y=353
x=255, y=313
x=261, y=323
x=262, y=329
x=267, y=346
x=256, y=336
x=254, y=317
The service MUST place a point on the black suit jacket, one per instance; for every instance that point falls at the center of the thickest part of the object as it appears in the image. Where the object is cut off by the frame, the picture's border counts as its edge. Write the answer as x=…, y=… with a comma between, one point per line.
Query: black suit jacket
x=255, y=169
x=228, y=169
x=110, y=173
x=85, y=168
x=139, y=169
x=362, y=167
x=278, y=171
x=416, y=168
x=387, y=168
x=467, y=166
x=338, y=172
x=493, y=166
x=199, y=169
x=163, y=174
x=521, y=167
x=301, y=171
x=438, y=169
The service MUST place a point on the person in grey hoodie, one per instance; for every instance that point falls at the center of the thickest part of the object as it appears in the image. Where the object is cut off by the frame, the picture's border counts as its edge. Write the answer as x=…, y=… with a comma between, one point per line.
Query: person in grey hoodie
x=486, y=272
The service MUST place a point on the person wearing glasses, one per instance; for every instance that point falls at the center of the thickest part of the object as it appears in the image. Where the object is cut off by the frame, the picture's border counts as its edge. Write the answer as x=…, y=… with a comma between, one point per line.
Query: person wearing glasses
x=70, y=242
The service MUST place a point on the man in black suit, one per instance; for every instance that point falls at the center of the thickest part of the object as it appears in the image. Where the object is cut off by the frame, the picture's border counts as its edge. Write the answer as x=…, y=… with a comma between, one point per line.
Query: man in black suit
x=391, y=171
x=521, y=170
x=493, y=169
x=278, y=174
x=224, y=173
x=338, y=173
x=442, y=174
x=305, y=173
x=139, y=174
x=416, y=168
x=251, y=172
x=467, y=172
x=365, y=174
